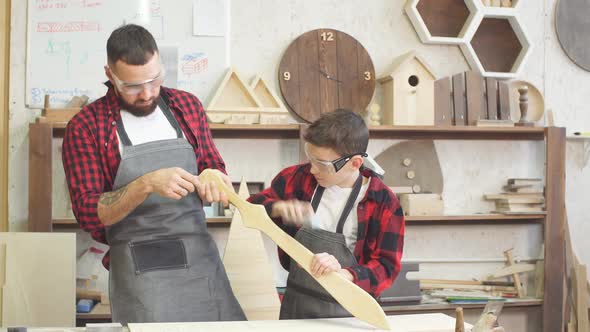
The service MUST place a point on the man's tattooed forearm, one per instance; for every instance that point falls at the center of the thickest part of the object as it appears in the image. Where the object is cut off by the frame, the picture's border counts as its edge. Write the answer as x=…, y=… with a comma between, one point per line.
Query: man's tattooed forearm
x=112, y=197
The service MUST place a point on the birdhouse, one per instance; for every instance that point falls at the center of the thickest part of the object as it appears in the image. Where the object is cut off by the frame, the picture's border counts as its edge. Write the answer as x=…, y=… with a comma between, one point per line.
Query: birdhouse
x=408, y=92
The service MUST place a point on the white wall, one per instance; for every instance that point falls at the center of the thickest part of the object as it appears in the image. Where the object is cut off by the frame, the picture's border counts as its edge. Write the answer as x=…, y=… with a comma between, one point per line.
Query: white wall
x=261, y=31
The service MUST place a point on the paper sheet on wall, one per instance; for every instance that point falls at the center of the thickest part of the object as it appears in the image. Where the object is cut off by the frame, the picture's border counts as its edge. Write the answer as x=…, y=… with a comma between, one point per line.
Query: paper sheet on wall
x=209, y=18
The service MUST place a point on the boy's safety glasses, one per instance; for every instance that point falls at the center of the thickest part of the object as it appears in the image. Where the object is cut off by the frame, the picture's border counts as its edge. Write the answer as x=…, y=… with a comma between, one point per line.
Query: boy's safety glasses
x=331, y=166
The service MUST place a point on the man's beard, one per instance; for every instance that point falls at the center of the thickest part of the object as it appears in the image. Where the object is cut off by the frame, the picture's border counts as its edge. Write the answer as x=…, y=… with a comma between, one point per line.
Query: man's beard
x=139, y=110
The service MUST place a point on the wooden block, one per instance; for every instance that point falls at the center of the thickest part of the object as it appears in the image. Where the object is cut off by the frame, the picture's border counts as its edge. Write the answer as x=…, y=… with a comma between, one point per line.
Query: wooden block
x=474, y=86
x=422, y=204
x=459, y=102
x=402, y=190
x=495, y=123
x=249, y=269
x=243, y=119
x=41, y=288
x=443, y=103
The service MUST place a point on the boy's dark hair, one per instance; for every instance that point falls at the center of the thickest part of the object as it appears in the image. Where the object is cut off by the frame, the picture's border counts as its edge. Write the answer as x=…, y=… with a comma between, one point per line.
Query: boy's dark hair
x=342, y=130
x=132, y=44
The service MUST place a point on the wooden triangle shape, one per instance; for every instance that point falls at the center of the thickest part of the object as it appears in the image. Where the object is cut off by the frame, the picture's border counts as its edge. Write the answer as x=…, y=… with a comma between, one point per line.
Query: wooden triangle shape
x=249, y=270
x=269, y=99
x=233, y=95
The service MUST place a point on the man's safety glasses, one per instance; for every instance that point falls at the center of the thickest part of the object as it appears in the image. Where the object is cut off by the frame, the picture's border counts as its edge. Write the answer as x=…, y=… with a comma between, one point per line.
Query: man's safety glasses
x=136, y=88
x=331, y=166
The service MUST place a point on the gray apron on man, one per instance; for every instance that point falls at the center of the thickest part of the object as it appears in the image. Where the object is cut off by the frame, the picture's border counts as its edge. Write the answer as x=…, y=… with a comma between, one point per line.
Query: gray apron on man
x=164, y=265
x=305, y=297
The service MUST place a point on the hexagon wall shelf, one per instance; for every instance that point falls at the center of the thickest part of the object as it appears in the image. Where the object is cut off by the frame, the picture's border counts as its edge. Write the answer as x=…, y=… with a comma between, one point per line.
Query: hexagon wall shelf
x=442, y=21
x=491, y=38
x=498, y=47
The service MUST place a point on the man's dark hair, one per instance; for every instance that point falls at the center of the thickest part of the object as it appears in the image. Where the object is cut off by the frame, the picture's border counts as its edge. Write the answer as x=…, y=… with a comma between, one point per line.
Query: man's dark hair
x=132, y=44
x=342, y=130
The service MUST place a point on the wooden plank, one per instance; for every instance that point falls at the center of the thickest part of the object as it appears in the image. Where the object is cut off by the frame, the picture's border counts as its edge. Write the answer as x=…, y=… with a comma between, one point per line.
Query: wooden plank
x=581, y=292
x=553, y=311
x=249, y=270
x=504, y=100
x=510, y=270
x=474, y=86
x=434, y=322
x=41, y=290
x=443, y=104
x=4, y=110
x=328, y=81
x=289, y=81
x=492, y=98
x=348, y=82
x=459, y=102
x=366, y=70
x=40, y=174
x=354, y=299
x=309, y=80
x=515, y=276
x=2, y=278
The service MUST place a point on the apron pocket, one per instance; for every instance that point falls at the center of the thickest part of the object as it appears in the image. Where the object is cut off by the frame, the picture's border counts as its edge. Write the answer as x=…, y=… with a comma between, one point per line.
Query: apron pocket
x=159, y=254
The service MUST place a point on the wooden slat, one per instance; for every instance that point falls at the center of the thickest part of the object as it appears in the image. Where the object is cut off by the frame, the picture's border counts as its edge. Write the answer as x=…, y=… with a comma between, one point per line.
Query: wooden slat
x=475, y=97
x=443, y=104
x=460, y=116
x=40, y=173
x=290, y=88
x=4, y=110
x=492, y=98
x=579, y=274
x=328, y=87
x=553, y=310
x=309, y=79
x=347, y=69
x=367, y=86
x=504, y=100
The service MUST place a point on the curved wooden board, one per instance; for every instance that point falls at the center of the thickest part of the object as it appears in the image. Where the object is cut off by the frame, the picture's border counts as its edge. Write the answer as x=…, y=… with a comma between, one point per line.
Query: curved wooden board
x=354, y=299
x=572, y=26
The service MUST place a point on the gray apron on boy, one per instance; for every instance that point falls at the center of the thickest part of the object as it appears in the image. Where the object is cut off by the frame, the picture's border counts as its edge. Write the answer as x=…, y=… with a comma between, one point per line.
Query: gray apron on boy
x=164, y=265
x=305, y=297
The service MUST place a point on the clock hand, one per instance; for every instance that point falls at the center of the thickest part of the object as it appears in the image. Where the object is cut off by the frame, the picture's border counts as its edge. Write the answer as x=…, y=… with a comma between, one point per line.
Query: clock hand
x=328, y=76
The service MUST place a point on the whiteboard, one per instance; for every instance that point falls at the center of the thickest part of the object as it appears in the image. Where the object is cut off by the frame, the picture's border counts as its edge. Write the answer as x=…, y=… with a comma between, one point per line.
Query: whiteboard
x=66, y=46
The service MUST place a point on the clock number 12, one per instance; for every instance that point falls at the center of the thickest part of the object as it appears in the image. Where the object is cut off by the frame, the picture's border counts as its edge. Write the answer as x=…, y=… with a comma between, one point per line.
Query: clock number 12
x=327, y=36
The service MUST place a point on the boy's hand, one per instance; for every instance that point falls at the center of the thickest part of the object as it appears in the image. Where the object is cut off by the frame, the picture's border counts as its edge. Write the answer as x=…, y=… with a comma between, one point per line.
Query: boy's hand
x=292, y=212
x=324, y=263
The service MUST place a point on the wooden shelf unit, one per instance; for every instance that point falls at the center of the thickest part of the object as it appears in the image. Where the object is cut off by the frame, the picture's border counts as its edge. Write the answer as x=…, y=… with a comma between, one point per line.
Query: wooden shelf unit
x=40, y=195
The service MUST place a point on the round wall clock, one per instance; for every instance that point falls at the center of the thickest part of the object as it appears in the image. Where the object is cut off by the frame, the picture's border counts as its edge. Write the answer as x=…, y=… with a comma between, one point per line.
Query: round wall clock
x=324, y=70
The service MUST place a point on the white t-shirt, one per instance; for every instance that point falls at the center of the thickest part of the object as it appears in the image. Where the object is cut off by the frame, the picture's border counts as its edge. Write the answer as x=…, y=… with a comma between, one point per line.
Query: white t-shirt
x=330, y=209
x=149, y=128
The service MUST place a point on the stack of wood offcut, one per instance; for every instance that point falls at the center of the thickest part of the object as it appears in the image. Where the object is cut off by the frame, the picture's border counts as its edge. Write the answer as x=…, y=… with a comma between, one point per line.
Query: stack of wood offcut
x=520, y=196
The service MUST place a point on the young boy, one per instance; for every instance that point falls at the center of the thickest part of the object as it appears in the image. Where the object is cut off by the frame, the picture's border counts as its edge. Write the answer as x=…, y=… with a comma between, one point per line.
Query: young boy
x=342, y=212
